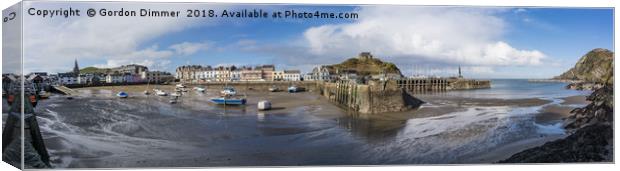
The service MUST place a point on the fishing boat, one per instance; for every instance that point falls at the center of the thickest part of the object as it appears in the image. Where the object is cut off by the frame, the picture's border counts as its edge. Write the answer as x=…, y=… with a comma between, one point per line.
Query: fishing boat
x=229, y=100
x=294, y=89
x=122, y=94
x=228, y=91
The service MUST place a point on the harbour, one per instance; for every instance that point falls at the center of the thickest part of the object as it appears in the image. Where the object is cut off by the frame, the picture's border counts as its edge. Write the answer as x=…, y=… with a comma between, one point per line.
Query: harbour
x=97, y=129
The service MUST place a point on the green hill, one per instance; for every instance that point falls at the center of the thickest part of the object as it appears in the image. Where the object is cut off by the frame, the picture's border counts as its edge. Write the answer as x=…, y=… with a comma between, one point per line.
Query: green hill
x=93, y=70
x=596, y=66
x=364, y=65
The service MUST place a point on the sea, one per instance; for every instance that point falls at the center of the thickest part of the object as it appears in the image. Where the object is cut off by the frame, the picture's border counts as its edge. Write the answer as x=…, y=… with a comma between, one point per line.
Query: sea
x=98, y=130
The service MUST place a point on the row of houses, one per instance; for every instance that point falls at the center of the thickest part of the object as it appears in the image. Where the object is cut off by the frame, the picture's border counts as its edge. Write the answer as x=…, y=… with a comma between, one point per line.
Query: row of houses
x=198, y=73
x=124, y=74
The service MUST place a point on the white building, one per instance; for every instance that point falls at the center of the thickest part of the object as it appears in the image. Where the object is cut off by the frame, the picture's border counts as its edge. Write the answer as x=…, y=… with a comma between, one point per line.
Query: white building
x=114, y=78
x=291, y=75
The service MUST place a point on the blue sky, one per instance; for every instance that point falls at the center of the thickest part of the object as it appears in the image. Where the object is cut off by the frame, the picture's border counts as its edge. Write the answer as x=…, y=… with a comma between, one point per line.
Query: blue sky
x=486, y=42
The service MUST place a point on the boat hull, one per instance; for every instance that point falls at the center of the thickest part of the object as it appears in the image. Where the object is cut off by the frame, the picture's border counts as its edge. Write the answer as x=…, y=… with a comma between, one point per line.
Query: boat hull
x=222, y=101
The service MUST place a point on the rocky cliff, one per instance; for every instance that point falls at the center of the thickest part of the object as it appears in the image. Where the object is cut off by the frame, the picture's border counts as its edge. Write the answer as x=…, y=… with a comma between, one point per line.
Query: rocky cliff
x=590, y=139
x=365, y=65
x=594, y=67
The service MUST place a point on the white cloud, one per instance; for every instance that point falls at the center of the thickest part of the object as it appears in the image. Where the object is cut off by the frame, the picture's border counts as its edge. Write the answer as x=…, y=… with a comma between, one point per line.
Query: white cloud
x=189, y=48
x=52, y=44
x=456, y=36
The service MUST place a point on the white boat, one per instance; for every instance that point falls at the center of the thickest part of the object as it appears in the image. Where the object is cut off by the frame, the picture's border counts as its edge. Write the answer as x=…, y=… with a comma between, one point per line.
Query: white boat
x=294, y=89
x=146, y=92
x=274, y=89
x=173, y=99
x=264, y=105
x=175, y=94
x=180, y=85
x=228, y=91
x=161, y=93
x=122, y=94
x=200, y=89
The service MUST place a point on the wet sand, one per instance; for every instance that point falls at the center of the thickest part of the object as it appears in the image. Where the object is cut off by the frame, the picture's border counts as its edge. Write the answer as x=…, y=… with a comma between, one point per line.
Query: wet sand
x=555, y=112
x=97, y=129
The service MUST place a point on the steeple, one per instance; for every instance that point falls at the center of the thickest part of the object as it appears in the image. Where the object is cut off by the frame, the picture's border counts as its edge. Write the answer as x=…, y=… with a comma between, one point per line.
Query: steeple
x=460, y=75
x=76, y=69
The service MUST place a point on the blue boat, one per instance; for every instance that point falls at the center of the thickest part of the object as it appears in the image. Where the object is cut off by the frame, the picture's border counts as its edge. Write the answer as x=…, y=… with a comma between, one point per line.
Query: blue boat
x=229, y=101
x=122, y=94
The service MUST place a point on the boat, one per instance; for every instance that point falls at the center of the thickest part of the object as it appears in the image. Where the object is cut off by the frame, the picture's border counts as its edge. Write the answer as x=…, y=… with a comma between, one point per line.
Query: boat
x=264, y=105
x=173, y=99
x=274, y=89
x=200, y=89
x=122, y=94
x=146, y=92
x=161, y=93
x=176, y=94
x=229, y=100
x=180, y=85
x=228, y=91
x=294, y=89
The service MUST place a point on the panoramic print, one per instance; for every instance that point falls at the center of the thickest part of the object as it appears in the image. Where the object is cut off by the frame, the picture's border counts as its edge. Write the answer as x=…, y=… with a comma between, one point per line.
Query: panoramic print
x=118, y=85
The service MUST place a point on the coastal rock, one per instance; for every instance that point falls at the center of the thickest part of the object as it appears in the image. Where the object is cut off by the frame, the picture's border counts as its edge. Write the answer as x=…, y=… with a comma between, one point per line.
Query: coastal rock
x=600, y=110
x=593, y=143
x=590, y=139
x=594, y=67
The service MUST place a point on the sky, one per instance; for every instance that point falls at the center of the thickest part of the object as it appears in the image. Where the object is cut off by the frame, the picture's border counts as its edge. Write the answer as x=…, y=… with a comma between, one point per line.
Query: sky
x=486, y=42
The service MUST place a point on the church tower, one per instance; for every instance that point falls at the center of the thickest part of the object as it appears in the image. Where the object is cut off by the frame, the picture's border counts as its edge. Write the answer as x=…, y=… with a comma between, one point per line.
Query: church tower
x=460, y=75
x=76, y=69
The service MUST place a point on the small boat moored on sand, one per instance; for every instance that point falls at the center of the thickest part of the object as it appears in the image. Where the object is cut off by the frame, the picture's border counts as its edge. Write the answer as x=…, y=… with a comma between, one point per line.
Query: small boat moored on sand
x=229, y=101
x=160, y=92
x=264, y=105
x=228, y=91
x=294, y=89
x=274, y=89
x=200, y=89
x=122, y=94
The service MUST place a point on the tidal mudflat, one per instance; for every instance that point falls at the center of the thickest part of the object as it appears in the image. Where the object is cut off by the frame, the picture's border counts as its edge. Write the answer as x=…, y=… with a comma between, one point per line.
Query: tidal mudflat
x=97, y=129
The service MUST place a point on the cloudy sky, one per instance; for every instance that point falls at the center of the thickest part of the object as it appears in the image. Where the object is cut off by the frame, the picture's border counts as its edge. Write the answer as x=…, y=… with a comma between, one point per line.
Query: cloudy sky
x=486, y=42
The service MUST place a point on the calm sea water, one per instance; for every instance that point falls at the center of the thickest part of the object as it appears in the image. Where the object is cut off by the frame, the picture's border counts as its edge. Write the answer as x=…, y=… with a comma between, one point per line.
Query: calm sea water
x=521, y=89
x=99, y=130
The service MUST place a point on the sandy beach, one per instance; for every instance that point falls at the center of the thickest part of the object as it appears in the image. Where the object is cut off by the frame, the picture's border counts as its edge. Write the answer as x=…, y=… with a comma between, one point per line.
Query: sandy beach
x=98, y=129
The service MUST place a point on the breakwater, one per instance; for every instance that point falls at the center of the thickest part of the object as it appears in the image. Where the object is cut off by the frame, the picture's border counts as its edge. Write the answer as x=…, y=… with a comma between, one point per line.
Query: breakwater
x=421, y=85
x=374, y=97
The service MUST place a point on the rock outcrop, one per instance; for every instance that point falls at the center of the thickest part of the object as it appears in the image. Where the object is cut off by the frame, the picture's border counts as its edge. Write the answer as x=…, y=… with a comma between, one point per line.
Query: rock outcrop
x=595, y=67
x=590, y=139
x=364, y=65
